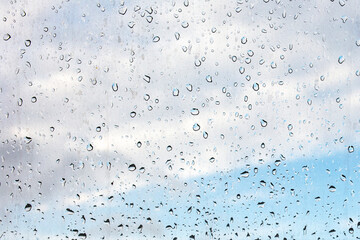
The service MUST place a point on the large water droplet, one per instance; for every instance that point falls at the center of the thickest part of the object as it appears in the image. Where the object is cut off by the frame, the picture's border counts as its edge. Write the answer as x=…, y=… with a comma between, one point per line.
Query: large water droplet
x=132, y=167
x=28, y=207
x=156, y=39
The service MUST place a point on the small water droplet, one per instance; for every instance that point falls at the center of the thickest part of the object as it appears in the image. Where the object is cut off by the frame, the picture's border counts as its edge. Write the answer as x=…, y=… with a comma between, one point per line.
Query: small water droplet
x=175, y=92
x=177, y=36
x=147, y=78
x=122, y=10
x=255, y=87
x=196, y=127
x=184, y=24
x=156, y=39
x=263, y=123
x=28, y=43
x=132, y=114
x=341, y=59
x=194, y=111
x=351, y=149
x=208, y=78
x=115, y=87
x=212, y=159
x=89, y=147
x=6, y=37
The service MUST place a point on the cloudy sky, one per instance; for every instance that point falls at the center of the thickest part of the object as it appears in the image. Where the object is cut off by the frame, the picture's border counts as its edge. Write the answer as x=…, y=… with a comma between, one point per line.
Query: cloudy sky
x=191, y=119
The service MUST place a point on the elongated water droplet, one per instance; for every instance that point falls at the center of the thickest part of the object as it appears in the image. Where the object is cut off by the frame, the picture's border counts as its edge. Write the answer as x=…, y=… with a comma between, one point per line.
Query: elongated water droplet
x=332, y=188
x=341, y=59
x=255, y=87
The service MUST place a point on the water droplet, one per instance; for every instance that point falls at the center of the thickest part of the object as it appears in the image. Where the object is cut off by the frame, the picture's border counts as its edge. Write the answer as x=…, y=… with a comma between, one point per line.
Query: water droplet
x=243, y=40
x=28, y=207
x=208, y=78
x=6, y=37
x=212, y=159
x=132, y=114
x=175, y=92
x=196, y=127
x=22, y=13
x=98, y=129
x=194, y=111
x=177, y=36
x=169, y=148
x=33, y=99
x=89, y=147
x=263, y=123
x=122, y=10
x=351, y=149
x=27, y=43
x=20, y=102
x=332, y=188
x=255, y=87
x=184, y=24
x=132, y=167
x=189, y=87
x=147, y=78
x=290, y=127
x=241, y=70
x=205, y=135
x=341, y=59
x=156, y=39
x=245, y=174
x=357, y=42
x=115, y=87
x=273, y=65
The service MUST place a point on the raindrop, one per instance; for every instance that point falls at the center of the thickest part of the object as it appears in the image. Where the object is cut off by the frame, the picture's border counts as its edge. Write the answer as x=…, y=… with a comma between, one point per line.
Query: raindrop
x=212, y=159
x=196, y=127
x=244, y=174
x=189, y=87
x=28, y=207
x=194, y=111
x=184, y=24
x=351, y=149
x=177, y=36
x=132, y=167
x=263, y=123
x=20, y=102
x=156, y=39
x=255, y=87
x=175, y=92
x=332, y=188
x=132, y=114
x=147, y=78
x=341, y=59
x=22, y=13
x=208, y=78
x=27, y=43
x=6, y=37
x=89, y=147
x=122, y=10
x=115, y=87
